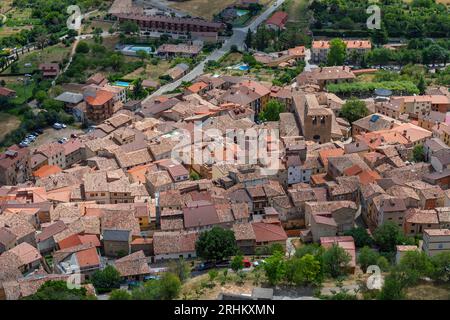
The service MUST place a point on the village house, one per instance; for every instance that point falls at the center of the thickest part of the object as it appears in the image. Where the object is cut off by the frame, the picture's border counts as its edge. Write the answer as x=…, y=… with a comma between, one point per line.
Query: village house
x=436, y=241
x=15, y=166
x=49, y=70
x=7, y=93
x=133, y=266
x=245, y=237
x=417, y=220
x=116, y=242
x=180, y=50
x=83, y=258
x=277, y=21
x=54, y=152
x=325, y=75
x=174, y=245
x=320, y=49
x=99, y=105
x=267, y=234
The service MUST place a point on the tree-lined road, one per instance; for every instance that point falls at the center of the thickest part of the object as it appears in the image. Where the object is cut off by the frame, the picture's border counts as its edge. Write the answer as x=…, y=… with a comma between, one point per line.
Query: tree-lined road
x=236, y=39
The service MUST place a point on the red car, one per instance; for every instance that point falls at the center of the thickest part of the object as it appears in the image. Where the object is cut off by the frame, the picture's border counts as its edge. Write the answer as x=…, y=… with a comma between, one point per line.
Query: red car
x=247, y=263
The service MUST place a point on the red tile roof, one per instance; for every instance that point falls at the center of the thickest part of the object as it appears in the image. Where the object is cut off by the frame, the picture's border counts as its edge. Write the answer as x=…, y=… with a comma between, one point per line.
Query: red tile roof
x=101, y=97
x=268, y=232
x=88, y=258
x=279, y=19
x=46, y=170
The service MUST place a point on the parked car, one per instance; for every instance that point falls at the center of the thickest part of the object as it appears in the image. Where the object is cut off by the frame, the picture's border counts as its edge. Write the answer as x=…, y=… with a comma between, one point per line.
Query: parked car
x=39, y=131
x=134, y=284
x=205, y=266
x=151, y=277
x=247, y=263
x=23, y=144
x=223, y=264
x=74, y=135
x=63, y=125
x=63, y=140
x=259, y=263
x=57, y=126
x=31, y=137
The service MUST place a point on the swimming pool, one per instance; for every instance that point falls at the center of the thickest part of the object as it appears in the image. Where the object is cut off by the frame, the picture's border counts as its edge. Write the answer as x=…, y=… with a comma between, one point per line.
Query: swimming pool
x=121, y=83
x=132, y=50
x=244, y=68
x=241, y=12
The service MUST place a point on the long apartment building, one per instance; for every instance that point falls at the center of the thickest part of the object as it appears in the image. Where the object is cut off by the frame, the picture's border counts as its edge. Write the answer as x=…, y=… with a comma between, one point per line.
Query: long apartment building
x=320, y=49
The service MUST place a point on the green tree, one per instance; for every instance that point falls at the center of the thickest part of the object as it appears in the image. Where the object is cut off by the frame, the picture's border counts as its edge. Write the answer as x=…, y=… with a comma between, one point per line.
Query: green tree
x=336, y=55
x=354, y=109
x=138, y=90
x=367, y=257
x=393, y=287
x=58, y=290
x=216, y=244
x=120, y=294
x=388, y=235
x=313, y=249
x=194, y=176
x=435, y=53
x=15, y=67
x=82, y=47
x=237, y=263
x=129, y=27
x=441, y=267
x=212, y=274
x=380, y=36
x=170, y=286
x=418, y=153
x=107, y=279
x=383, y=263
x=335, y=261
x=180, y=268
x=40, y=96
x=304, y=271
x=415, y=265
x=151, y=290
x=272, y=111
x=275, y=268
x=422, y=85
x=142, y=54
x=361, y=237
x=379, y=56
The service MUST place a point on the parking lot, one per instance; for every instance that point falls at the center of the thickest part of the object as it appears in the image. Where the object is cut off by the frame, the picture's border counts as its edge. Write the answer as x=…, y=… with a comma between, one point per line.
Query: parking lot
x=52, y=135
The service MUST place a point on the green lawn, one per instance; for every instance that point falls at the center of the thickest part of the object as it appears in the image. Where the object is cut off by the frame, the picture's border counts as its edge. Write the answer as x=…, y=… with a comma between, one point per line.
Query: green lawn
x=24, y=92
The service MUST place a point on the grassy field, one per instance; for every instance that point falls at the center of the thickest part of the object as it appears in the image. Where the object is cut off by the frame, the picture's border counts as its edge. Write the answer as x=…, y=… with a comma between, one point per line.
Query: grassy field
x=429, y=292
x=16, y=21
x=8, y=123
x=91, y=25
x=50, y=54
x=5, y=5
x=206, y=8
x=151, y=71
x=296, y=9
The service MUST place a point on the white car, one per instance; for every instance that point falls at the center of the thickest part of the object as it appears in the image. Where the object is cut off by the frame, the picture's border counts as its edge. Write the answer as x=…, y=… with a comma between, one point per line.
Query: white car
x=57, y=126
x=63, y=140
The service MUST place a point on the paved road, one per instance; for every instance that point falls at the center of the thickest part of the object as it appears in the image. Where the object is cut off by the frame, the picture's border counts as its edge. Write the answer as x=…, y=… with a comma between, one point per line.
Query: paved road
x=237, y=39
